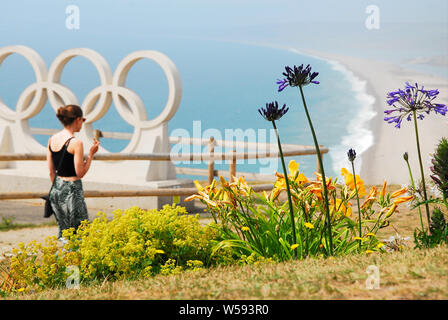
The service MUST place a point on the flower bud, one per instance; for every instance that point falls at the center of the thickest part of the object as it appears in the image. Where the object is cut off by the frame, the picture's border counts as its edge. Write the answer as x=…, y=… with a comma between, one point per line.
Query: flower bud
x=351, y=155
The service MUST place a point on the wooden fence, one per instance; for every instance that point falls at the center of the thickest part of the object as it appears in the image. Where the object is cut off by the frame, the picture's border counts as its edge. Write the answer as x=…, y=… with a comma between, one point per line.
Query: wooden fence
x=210, y=172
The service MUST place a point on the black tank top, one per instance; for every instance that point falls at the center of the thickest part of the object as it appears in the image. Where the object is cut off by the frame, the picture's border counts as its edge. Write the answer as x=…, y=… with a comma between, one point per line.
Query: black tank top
x=67, y=168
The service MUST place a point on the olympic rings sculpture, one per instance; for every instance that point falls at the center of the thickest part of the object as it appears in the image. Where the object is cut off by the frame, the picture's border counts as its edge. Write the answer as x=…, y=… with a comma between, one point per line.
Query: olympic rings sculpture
x=97, y=102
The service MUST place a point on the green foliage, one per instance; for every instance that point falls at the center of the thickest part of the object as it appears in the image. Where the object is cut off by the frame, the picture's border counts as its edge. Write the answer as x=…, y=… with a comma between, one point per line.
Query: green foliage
x=7, y=223
x=260, y=225
x=135, y=243
x=438, y=232
x=438, y=229
x=440, y=166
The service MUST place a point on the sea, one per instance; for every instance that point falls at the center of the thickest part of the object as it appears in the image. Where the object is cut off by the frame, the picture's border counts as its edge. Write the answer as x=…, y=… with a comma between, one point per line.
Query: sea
x=224, y=83
x=223, y=86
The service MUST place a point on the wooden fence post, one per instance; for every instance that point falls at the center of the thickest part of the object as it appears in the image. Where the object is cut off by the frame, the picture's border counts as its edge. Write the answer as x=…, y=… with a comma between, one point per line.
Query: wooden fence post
x=211, y=163
x=232, y=166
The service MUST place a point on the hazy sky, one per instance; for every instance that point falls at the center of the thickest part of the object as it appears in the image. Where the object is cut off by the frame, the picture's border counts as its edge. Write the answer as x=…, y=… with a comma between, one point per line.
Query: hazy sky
x=408, y=29
x=131, y=15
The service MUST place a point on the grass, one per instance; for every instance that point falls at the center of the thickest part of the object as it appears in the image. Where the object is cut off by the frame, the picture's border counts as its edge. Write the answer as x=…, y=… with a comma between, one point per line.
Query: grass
x=410, y=274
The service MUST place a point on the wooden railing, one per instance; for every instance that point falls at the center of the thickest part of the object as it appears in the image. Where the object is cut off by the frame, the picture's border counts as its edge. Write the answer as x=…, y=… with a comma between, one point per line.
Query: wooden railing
x=210, y=172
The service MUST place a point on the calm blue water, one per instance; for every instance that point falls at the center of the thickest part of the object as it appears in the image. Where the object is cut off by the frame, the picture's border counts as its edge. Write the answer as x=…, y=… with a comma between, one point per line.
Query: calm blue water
x=223, y=86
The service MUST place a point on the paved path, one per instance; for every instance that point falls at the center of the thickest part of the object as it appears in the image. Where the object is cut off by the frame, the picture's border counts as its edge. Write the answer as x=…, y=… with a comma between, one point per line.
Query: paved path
x=32, y=211
x=23, y=212
x=11, y=239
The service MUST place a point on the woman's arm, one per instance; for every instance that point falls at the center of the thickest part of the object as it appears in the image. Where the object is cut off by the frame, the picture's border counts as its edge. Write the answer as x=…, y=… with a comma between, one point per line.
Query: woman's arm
x=51, y=167
x=81, y=165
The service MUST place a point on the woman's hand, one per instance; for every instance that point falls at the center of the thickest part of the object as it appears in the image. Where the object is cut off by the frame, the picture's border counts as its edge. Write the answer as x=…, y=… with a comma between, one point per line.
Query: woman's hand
x=94, y=148
x=81, y=165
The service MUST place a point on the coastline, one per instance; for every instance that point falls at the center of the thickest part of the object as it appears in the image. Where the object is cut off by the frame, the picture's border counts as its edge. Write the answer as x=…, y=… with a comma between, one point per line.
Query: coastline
x=383, y=159
x=359, y=137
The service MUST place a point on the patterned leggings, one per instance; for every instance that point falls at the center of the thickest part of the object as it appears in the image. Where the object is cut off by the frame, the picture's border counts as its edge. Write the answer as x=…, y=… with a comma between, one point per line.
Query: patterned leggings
x=67, y=201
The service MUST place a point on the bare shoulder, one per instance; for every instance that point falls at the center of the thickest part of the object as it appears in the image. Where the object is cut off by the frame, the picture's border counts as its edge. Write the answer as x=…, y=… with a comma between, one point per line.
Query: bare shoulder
x=75, y=146
x=77, y=143
x=54, y=140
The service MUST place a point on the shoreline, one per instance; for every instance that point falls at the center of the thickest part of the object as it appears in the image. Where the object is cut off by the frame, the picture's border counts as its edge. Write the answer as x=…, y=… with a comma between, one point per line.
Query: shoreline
x=383, y=159
x=359, y=124
x=379, y=145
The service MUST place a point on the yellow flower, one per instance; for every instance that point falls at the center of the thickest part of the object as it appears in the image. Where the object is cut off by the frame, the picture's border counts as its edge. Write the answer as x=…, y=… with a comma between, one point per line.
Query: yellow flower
x=327, y=179
x=350, y=182
x=280, y=183
x=223, y=181
x=21, y=290
x=198, y=185
x=293, y=167
x=309, y=225
x=379, y=245
x=245, y=228
x=301, y=178
x=345, y=172
x=294, y=246
x=160, y=251
x=358, y=238
x=340, y=207
x=369, y=251
x=370, y=234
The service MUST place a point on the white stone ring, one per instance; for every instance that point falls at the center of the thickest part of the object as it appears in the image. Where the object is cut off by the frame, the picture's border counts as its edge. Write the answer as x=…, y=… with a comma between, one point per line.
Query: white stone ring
x=97, y=102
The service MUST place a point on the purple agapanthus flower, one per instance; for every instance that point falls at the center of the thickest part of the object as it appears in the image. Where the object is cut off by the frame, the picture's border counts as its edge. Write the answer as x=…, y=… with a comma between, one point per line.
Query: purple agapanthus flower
x=351, y=155
x=297, y=76
x=272, y=111
x=411, y=99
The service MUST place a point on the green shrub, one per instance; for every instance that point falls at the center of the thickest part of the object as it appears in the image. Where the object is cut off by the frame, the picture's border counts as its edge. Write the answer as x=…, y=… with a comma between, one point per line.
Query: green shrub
x=135, y=243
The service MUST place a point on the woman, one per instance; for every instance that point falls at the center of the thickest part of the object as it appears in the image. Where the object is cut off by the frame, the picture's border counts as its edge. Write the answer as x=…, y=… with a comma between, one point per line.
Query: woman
x=67, y=152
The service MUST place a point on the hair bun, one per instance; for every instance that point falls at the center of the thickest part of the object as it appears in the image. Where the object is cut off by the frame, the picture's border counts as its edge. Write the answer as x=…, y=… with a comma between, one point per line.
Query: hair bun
x=61, y=113
x=67, y=114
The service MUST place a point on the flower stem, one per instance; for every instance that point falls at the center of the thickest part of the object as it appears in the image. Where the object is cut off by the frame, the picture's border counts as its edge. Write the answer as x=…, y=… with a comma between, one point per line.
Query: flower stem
x=291, y=208
x=357, y=200
x=421, y=169
x=319, y=158
x=413, y=187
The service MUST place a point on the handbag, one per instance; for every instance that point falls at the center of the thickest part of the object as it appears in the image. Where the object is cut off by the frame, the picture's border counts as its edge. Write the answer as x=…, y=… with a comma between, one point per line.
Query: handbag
x=48, y=210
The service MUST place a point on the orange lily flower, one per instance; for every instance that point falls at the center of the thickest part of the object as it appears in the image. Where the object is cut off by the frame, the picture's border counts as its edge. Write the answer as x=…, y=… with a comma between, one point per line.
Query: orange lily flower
x=383, y=190
x=399, y=192
x=370, y=198
x=317, y=192
x=403, y=199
